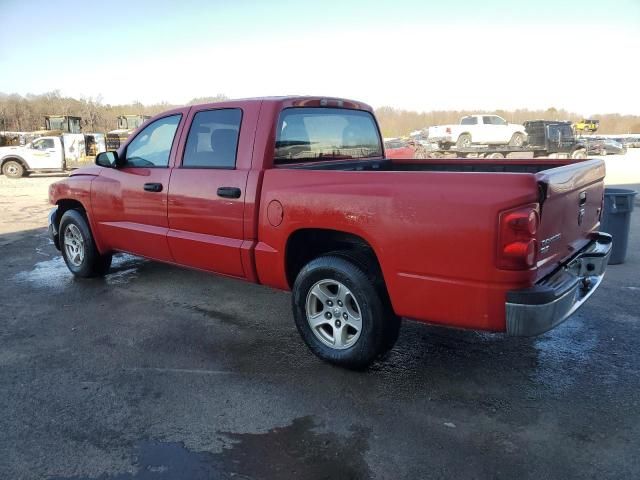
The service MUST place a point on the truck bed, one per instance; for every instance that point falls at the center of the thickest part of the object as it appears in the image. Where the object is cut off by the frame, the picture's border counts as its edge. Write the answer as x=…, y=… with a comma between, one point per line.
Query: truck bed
x=433, y=222
x=528, y=165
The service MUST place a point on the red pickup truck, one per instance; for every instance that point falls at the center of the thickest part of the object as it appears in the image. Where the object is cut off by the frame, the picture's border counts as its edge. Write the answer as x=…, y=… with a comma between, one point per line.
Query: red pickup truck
x=296, y=193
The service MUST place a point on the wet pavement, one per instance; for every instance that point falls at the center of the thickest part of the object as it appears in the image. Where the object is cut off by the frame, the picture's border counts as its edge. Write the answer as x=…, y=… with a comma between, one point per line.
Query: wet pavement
x=155, y=372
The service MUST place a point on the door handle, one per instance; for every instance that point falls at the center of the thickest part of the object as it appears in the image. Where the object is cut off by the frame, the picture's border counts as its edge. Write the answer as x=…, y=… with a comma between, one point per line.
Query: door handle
x=229, y=192
x=153, y=187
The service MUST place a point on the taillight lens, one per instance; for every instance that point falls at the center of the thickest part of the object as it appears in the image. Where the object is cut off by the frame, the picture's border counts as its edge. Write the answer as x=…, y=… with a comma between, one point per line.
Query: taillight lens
x=517, y=244
x=448, y=130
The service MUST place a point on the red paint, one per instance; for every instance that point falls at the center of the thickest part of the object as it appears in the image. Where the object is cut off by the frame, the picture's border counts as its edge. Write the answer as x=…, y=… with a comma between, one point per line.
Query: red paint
x=438, y=235
x=402, y=152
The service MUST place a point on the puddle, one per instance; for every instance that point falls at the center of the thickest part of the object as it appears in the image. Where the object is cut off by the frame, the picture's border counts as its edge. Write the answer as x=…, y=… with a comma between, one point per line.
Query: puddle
x=54, y=274
x=564, y=354
x=294, y=451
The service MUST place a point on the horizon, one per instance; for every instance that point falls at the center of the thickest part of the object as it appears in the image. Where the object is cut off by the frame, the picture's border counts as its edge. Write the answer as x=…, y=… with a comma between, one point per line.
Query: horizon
x=503, y=55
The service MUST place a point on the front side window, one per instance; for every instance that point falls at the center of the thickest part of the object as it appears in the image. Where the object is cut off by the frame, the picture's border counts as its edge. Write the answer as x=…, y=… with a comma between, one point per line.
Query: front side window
x=315, y=134
x=213, y=139
x=152, y=146
x=43, y=144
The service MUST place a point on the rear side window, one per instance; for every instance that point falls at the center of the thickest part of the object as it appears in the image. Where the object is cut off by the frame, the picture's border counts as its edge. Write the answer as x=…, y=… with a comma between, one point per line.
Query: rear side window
x=316, y=134
x=213, y=139
x=469, y=121
x=152, y=146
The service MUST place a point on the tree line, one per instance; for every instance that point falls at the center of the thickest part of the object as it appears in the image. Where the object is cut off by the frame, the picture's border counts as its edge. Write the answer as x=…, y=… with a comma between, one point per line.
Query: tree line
x=26, y=113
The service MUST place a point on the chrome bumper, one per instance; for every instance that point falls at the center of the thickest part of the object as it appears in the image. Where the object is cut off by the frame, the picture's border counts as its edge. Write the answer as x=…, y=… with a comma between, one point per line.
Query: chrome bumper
x=53, y=231
x=554, y=299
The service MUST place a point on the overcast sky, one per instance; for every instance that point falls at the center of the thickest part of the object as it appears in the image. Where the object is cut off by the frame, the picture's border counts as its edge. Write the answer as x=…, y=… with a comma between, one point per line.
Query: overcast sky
x=421, y=55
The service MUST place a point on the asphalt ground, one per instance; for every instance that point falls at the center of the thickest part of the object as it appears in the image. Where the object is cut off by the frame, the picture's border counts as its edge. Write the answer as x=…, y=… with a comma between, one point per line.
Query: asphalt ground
x=156, y=373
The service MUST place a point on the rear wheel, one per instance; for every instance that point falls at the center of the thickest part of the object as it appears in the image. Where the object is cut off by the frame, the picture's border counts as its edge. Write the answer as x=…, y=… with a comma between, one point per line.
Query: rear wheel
x=517, y=140
x=340, y=313
x=464, y=141
x=13, y=169
x=78, y=248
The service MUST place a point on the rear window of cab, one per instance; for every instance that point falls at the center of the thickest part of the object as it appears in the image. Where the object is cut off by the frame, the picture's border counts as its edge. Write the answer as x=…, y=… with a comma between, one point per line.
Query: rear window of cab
x=307, y=134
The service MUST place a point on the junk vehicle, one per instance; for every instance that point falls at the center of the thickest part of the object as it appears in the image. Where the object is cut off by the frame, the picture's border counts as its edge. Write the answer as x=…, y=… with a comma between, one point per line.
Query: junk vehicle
x=126, y=126
x=95, y=143
x=544, y=139
x=587, y=126
x=478, y=129
x=296, y=193
x=62, y=123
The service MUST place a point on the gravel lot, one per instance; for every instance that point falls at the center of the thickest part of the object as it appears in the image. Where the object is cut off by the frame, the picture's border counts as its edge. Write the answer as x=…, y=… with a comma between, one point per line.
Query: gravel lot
x=160, y=373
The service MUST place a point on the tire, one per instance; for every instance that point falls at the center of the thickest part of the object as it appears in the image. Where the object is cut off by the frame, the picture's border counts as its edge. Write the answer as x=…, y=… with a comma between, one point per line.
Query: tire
x=78, y=248
x=351, y=315
x=464, y=141
x=517, y=140
x=13, y=169
x=392, y=323
x=579, y=154
x=495, y=155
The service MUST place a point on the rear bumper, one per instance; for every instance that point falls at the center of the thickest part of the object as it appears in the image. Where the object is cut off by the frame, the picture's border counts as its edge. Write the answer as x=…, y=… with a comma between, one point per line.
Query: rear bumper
x=551, y=301
x=441, y=139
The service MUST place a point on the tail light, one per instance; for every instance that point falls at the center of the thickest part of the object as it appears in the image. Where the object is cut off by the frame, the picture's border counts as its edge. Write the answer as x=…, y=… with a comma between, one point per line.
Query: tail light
x=517, y=244
x=448, y=130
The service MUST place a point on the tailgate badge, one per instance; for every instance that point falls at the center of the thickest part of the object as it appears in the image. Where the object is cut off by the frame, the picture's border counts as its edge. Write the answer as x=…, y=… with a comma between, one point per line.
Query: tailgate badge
x=545, y=244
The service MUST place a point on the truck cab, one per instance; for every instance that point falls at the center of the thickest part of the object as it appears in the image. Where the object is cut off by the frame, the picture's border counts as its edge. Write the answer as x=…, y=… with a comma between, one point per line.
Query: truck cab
x=550, y=137
x=62, y=123
x=126, y=124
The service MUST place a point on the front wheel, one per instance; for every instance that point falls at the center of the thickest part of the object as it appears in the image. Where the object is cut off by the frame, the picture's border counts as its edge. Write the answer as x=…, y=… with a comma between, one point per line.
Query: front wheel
x=340, y=313
x=579, y=154
x=78, y=248
x=13, y=169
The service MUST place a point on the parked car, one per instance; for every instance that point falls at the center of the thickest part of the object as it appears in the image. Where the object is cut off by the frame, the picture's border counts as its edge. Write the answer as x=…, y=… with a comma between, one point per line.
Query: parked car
x=587, y=125
x=398, y=148
x=295, y=193
x=44, y=154
x=613, y=147
x=478, y=129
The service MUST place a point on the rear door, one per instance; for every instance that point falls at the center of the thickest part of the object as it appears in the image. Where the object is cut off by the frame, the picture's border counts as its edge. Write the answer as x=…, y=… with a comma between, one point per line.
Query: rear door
x=207, y=192
x=570, y=211
x=130, y=202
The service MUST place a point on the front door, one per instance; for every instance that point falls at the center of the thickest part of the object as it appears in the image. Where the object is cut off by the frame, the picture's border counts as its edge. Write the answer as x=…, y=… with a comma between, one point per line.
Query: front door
x=130, y=201
x=43, y=154
x=207, y=190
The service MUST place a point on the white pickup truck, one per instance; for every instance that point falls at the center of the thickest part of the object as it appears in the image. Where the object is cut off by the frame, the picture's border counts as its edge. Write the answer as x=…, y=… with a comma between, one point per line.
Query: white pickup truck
x=478, y=129
x=44, y=154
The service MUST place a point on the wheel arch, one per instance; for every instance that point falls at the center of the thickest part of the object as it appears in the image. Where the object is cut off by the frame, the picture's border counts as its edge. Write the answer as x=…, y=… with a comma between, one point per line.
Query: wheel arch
x=305, y=244
x=17, y=158
x=66, y=204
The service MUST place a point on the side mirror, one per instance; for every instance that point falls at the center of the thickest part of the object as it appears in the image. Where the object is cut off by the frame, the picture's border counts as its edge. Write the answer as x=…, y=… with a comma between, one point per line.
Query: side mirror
x=107, y=159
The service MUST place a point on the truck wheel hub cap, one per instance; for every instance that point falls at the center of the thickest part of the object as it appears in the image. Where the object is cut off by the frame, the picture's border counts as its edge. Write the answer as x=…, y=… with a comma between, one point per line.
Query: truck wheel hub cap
x=74, y=245
x=322, y=297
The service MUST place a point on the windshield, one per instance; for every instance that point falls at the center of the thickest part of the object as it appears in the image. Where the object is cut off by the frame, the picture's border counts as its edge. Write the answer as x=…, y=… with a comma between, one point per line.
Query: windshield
x=315, y=134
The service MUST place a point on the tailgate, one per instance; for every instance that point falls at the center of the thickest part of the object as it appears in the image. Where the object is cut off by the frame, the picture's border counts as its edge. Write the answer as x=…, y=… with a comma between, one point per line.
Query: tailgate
x=570, y=210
